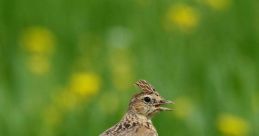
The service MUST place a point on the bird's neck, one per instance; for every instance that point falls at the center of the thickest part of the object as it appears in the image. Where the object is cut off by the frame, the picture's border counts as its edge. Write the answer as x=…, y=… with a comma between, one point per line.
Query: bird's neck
x=133, y=116
x=139, y=120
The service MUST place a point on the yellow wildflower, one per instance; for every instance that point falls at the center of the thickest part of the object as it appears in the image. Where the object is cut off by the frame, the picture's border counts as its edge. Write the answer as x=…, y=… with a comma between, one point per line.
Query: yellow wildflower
x=231, y=125
x=38, y=40
x=85, y=84
x=184, y=17
x=218, y=4
x=38, y=65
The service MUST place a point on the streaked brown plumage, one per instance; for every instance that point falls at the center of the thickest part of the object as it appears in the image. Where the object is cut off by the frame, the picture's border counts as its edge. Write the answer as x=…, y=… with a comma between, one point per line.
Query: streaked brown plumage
x=142, y=107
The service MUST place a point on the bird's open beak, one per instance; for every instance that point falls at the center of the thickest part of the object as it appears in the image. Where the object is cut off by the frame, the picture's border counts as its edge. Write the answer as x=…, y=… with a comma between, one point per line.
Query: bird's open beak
x=163, y=102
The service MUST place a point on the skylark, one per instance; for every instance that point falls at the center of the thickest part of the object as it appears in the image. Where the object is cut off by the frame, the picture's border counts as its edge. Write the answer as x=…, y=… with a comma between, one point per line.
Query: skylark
x=142, y=107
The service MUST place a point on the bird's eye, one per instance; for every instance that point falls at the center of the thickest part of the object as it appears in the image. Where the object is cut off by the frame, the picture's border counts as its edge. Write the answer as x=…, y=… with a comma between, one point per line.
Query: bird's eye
x=147, y=99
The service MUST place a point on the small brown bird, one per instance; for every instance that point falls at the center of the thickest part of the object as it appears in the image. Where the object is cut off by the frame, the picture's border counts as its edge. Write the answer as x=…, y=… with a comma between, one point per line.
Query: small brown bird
x=142, y=107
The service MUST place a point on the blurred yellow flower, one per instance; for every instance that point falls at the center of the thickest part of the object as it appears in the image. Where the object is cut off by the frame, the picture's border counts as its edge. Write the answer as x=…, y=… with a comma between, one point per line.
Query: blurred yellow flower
x=82, y=85
x=218, y=4
x=38, y=65
x=231, y=125
x=184, y=107
x=85, y=84
x=184, y=17
x=39, y=40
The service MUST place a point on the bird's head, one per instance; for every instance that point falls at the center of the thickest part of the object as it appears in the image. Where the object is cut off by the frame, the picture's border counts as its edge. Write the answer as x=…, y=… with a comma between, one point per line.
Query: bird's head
x=148, y=101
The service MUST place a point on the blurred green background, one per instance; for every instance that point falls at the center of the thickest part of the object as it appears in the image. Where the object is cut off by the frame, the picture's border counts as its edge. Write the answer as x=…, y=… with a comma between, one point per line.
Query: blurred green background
x=68, y=66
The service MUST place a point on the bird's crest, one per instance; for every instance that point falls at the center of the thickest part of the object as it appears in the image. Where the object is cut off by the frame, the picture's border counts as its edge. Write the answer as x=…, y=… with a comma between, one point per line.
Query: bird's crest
x=145, y=86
